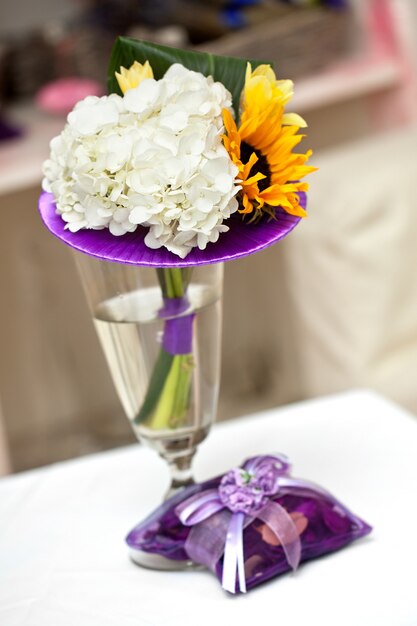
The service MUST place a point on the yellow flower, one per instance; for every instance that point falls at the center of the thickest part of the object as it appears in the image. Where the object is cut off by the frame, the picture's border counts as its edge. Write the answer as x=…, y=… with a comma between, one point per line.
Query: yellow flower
x=261, y=146
x=131, y=78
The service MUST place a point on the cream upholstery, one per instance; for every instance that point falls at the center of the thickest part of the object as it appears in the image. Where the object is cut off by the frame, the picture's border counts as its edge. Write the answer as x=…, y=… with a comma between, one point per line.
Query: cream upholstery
x=351, y=271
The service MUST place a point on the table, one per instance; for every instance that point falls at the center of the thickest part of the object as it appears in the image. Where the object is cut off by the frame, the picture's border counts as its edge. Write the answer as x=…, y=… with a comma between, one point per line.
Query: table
x=63, y=560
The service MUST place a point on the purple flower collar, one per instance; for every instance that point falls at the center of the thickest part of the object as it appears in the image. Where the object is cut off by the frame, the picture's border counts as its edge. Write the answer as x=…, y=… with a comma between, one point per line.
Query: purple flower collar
x=242, y=239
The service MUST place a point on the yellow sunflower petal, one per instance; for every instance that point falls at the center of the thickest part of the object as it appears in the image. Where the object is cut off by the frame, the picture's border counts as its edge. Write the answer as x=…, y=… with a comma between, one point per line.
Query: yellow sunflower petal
x=296, y=208
x=294, y=187
x=254, y=179
x=289, y=202
x=247, y=205
x=248, y=166
x=293, y=119
x=229, y=122
x=261, y=86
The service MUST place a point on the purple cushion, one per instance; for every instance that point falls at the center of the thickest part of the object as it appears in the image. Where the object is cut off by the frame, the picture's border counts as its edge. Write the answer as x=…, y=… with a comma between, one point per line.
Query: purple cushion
x=322, y=523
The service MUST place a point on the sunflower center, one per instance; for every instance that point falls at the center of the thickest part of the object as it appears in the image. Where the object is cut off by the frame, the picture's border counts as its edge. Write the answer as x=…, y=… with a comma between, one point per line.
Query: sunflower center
x=261, y=164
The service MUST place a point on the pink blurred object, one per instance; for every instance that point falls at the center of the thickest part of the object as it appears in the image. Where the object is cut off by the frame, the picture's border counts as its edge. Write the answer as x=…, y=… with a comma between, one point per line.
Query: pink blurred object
x=61, y=95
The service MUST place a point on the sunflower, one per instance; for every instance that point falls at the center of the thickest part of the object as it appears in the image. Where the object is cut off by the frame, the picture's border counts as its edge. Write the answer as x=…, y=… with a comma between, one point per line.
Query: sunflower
x=261, y=146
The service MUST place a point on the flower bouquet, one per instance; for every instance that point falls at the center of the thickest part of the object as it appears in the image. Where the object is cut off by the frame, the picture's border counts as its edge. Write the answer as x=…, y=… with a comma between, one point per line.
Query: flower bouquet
x=193, y=141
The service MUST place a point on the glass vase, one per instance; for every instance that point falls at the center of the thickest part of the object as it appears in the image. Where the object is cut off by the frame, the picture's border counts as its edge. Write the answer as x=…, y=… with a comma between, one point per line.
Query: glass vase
x=160, y=330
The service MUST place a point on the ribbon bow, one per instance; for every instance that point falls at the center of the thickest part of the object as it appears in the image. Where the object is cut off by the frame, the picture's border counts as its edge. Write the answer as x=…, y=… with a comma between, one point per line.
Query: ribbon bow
x=219, y=516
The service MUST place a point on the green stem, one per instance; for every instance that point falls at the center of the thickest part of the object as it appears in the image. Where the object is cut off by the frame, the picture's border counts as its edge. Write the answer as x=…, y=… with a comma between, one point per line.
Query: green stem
x=182, y=393
x=156, y=385
x=164, y=409
x=168, y=397
x=174, y=281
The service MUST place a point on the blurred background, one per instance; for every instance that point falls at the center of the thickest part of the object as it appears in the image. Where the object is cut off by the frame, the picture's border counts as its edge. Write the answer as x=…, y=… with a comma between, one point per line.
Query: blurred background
x=332, y=307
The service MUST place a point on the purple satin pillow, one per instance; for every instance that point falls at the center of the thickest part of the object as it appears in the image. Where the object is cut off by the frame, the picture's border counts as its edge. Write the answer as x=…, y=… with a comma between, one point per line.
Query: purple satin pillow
x=249, y=525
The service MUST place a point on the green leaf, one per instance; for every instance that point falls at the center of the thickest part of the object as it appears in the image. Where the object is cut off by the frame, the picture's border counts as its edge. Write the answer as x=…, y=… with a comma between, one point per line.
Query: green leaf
x=228, y=70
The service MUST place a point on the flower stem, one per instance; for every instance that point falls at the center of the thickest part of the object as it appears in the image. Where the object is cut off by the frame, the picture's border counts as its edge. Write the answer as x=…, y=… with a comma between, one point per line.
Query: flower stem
x=174, y=281
x=168, y=397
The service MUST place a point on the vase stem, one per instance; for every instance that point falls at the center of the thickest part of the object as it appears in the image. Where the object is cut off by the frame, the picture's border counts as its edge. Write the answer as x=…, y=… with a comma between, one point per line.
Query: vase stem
x=181, y=471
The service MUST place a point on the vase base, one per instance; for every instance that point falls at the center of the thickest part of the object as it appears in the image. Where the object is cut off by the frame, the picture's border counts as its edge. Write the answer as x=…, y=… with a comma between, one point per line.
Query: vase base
x=158, y=562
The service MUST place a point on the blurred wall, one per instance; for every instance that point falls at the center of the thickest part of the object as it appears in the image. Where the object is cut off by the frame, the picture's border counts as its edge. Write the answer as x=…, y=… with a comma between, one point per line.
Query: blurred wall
x=20, y=15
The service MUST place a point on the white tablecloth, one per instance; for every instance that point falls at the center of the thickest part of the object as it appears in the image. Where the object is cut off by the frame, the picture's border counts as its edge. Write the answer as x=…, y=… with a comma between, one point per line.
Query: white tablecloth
x=63, y=561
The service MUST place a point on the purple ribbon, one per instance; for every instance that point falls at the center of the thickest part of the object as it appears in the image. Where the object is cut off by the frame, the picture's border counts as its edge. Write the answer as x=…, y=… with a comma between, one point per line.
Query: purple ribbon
x=178, y=335
x=219, y=516
x=178, y=329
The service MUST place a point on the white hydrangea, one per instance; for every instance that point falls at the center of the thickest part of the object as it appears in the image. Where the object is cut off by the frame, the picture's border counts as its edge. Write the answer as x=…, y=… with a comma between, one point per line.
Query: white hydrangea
x=152, y=157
